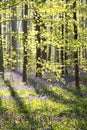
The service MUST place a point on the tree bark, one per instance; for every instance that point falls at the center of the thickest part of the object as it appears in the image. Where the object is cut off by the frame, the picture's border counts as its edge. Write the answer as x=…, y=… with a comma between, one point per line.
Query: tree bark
x=38, y=49
x=49, y=53
x=66, y=41
x=62, y=50
x=14, y=29
x=76, y=52
x=14, y=41
x=1, y=53
x=25, y=45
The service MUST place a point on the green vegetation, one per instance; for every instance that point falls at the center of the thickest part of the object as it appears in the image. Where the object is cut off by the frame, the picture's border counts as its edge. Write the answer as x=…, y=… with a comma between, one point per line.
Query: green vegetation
x=43, y=64
x=43, y=108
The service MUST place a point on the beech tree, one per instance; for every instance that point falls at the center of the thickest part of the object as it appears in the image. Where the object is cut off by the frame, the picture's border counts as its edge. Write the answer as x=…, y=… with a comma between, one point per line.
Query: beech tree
x=1, y=52
x=38, y=49
x=53, y=37
x=41, y=54
x=25, y=43
x=76, y=52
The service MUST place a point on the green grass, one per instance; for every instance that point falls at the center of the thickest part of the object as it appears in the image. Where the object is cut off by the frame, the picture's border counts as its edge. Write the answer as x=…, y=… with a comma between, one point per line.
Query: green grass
x=43, y=108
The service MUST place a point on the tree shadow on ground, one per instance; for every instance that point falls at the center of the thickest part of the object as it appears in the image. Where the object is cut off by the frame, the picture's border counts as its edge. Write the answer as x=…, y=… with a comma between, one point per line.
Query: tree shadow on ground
x=74, y=91
x=22, y=109
x=41, y=89
x=77, y=107
x=78, y=114
x=4, y=117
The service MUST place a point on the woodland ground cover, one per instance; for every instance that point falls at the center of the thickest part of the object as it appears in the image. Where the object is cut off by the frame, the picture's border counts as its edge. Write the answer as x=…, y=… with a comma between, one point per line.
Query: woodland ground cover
x=45, y=41
x=41, y=105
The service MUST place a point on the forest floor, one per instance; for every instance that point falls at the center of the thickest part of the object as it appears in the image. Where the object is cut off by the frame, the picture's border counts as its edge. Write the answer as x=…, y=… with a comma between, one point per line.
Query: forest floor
x=41, y=105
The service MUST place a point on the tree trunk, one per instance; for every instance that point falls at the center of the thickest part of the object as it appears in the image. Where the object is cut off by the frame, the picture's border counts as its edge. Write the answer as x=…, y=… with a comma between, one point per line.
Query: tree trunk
x=66, y=41
x=37, y=19
x=49, y=53
x=38, y=52
x=44, y=53
x=76, y=52
x=56, y=54
x=14, y=29
x=14, y=41
x=62, y=51
x=1, y=54
x=25, y=45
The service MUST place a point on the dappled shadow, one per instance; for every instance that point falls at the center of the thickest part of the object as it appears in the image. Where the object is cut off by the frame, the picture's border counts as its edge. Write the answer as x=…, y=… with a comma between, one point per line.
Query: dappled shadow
x=74, y=91
x=4, y=116
x=22, y=108
x=69, y=78
x=77, y=113
x=42, y=90
x=77, y=107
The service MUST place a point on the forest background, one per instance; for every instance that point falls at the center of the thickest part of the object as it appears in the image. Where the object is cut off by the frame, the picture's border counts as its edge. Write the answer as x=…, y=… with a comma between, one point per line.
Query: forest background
x=45, y=40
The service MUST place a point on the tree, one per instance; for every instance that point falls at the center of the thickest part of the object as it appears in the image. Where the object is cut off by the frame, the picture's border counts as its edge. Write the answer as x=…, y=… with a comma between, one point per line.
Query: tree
x=41, y=54
x=76, y=52
x=1, y=52
x=66, y=39
x=25, y=43
x=14, y=41
x=14, y=29
x=38, y=49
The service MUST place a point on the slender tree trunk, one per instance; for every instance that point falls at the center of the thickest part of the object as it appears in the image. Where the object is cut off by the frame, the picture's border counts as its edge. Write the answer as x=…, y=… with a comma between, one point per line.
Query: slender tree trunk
x=49, y=46
x=66, y=41
x=14, y=41
x=38, y=49
x=14, y=29
x=25, y=44
x=44, y=53
x=62, y=51
x=49, y=53
x=57, y=54
x=38, y=52
x=41, y=55
x=66, y=58
x=1, y=54
x=76, y=52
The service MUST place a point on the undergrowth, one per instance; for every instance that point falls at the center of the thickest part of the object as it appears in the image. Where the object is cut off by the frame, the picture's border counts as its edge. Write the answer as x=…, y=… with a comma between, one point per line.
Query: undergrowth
x=43, y=108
